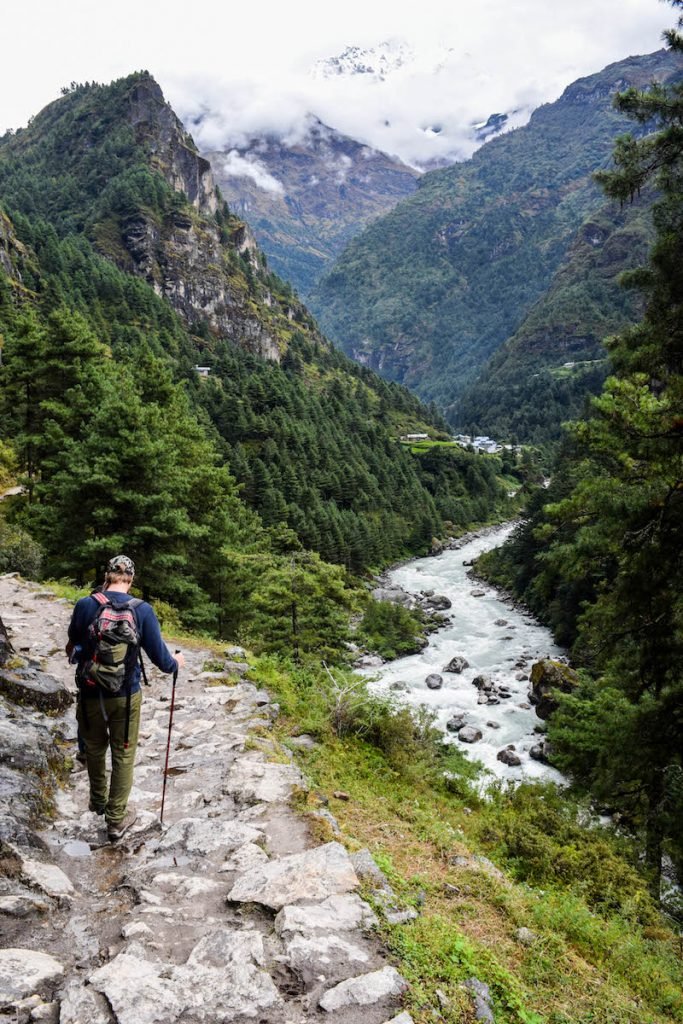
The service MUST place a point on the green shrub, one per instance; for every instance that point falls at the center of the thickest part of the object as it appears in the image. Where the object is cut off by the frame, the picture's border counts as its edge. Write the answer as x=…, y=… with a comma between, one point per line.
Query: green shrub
x=391, y=630
x=19, y=552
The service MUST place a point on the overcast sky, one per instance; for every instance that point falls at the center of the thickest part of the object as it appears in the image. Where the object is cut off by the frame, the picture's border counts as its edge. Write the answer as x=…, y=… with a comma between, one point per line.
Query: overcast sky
x=249, y=61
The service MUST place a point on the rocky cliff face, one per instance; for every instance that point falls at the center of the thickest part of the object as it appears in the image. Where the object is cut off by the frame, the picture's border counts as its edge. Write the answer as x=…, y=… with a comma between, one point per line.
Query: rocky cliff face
x=307, y=199
x=12, y=252
x=185, y=257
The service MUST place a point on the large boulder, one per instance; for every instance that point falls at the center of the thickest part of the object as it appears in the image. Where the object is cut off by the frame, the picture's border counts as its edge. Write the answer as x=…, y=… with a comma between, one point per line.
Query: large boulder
x=29, y=686
x=432, y=602
x=509, y=757
x=456, y=664
x=547, y=678
x=469, y=734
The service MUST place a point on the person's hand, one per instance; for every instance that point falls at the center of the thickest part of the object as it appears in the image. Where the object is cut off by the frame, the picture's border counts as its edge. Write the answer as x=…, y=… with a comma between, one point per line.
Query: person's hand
x=180, y=659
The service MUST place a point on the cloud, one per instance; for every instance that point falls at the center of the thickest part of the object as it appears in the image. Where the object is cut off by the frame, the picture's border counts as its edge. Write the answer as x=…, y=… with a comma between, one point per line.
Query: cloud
x=234, y=165
x=445, y=74
x=468, y=60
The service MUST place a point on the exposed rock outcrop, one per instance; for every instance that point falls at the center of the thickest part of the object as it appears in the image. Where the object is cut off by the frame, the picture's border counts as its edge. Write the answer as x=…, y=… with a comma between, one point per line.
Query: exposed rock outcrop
x=548, y=677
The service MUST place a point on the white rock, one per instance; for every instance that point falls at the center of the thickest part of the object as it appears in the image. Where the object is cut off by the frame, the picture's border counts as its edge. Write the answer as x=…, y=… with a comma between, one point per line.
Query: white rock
x=25, y=971
x=247, y=856
x=254, y=780
x=136, y=930
x=208, y=835
x=48, y=877
x=21, y=904
x=79, y=1004
x=328, y=956
x=336, y=913
x=223, y=979
x=312, y=875
x=365, y=989
x=402, y=1018
x=137, y=990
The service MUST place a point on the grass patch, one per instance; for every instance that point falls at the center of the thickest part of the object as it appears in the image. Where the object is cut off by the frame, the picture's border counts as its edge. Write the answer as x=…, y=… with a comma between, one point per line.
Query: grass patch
x=600, y=952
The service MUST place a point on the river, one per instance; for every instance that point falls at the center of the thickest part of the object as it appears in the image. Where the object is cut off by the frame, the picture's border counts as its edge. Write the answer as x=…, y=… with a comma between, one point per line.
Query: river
x=491, y=649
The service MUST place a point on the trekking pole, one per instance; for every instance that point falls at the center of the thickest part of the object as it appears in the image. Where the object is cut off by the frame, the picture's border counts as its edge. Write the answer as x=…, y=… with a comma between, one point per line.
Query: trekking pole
x=168, y=745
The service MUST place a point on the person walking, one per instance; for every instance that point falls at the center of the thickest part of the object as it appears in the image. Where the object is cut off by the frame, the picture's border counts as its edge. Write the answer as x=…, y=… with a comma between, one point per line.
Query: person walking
x=109, y=694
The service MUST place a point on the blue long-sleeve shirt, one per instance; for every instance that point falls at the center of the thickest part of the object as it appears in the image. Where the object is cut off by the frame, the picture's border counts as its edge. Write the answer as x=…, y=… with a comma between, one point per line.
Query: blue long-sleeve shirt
x=85, y=611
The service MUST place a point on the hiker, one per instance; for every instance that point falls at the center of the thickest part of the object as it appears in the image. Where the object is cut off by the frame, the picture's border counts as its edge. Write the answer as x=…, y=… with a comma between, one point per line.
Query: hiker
x=106, y=633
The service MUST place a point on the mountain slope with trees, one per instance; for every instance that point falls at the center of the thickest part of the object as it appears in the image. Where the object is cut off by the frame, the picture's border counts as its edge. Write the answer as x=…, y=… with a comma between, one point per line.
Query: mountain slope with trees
x=428, y=293
x=123, y=270
x=601, y=559
x=305, y=199
x=543, y=374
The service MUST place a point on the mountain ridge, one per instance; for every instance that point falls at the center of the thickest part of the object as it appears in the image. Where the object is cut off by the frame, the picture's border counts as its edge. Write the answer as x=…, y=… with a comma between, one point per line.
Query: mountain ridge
x=428, y=293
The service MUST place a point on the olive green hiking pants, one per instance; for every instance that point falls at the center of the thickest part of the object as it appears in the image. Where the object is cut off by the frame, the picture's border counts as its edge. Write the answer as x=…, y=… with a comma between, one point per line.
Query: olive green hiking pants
x=102, y=728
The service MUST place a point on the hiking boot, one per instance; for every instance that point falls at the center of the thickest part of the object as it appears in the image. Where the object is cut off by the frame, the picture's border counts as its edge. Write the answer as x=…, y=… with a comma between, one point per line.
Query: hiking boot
x=117, y=829
x=95, y=809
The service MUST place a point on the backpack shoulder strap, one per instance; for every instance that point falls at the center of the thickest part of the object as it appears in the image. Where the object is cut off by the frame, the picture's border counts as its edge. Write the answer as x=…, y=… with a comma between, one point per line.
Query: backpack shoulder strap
x=98, y=596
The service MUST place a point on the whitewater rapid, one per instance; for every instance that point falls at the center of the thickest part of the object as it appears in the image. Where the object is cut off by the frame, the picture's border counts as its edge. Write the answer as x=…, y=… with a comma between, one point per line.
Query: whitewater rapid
x=493, y=650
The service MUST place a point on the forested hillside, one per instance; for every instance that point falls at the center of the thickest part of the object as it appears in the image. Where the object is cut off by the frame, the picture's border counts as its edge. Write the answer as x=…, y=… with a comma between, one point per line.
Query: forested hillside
x=429, y=292
x=122, y=270
x=601, y=557
x=544, y=373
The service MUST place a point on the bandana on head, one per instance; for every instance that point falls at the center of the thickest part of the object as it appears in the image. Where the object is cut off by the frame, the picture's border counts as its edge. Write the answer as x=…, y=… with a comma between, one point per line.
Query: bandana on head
x=121, y=563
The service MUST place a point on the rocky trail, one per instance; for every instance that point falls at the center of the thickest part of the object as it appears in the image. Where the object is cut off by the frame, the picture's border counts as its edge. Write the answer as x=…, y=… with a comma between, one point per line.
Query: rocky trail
x=229, y=912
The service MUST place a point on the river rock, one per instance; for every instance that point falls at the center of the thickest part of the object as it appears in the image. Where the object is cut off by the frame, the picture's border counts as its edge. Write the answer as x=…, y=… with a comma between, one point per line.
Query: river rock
x=541, y=752
x=477, y=593
x=456, y=664
x=24, y=972
x=436, y=602
x=394, y=595
x=493, y=725
x=456, y=722
x=483, y=683
x=500, y=622
x=509, y=757
x=365, y=990
x=547, y=677
x=369, y=661
x=29, y=686
x=312, y=875
x=337, y=913
x=434, y=681
x=469, y=734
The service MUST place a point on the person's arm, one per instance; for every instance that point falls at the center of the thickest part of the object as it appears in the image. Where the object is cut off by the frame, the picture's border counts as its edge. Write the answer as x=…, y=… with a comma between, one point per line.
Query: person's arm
x=153, y=644
x=78, y=625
